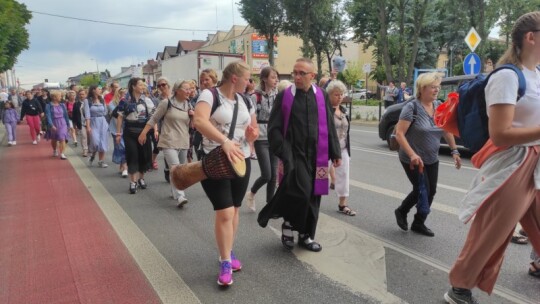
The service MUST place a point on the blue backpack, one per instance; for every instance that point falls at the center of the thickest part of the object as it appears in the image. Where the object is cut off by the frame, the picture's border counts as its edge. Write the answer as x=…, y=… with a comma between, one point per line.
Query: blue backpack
x=471, y=111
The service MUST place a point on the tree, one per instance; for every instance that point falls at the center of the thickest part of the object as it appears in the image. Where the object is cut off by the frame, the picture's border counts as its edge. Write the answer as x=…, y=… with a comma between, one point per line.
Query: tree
x=351, y=74
x=266, y=17
x=89, y=80
x=316, y=22
x=14, y=38
x=509, y=12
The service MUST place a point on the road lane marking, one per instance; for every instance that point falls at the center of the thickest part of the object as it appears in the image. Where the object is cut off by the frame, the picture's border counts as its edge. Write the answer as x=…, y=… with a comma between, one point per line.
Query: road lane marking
x=168, y=285
x=394, y=154
x=437, y=206
x=364, y=131
x=349, y=250
x=347, y=253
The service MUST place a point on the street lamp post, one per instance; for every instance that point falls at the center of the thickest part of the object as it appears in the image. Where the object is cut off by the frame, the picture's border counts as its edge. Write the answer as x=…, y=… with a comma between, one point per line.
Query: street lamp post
x=451, y=66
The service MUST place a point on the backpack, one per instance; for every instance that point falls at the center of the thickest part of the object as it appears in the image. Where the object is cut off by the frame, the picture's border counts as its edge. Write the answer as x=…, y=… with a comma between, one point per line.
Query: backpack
x=472, y=116
x=197, y=136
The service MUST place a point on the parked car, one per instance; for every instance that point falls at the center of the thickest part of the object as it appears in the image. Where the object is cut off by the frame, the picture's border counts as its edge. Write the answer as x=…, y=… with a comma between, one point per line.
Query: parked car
x=361, y=94
x=391, y=115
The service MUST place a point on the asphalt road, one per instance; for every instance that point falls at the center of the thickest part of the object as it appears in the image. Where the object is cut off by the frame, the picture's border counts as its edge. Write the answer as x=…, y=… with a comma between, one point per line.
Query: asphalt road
x=365, y=259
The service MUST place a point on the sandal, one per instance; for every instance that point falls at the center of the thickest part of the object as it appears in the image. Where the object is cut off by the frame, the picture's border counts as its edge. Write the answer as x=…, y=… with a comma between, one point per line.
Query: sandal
x=520, y=240
x=311, y=246
x=346, y=210
x=534, y=271
x=287, y=241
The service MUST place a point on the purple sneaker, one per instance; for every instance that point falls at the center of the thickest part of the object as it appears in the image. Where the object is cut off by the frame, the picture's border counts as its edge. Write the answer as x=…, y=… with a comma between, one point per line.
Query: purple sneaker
x=235, y=263
x=225, y=274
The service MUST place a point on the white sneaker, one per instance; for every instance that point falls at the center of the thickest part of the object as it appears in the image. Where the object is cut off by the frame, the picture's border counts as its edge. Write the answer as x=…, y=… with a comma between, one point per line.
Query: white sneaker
x=34, y=142
x=250, y=200
x=124, y=174
x=102, y=164
x=63, y=156
x=14, y=143
x=182, y=201
x=9, y=143
x=38, y=138
x=55, y=153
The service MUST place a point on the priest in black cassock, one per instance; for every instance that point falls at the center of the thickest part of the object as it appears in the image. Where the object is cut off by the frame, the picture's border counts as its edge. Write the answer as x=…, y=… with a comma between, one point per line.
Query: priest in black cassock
x=301, y=133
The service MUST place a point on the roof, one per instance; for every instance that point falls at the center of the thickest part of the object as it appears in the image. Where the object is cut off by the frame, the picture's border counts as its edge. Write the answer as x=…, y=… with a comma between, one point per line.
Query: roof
x=169, y=50
x=159, y=56
x=188, y=46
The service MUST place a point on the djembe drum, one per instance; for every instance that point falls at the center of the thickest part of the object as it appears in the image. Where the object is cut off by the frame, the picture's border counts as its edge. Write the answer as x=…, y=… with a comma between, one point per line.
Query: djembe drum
x=214, y=165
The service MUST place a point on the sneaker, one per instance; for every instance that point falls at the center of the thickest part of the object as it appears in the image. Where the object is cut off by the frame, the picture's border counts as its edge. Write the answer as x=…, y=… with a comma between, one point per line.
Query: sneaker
x=13, y=143
x=142, y=183
x=235, y=263
x=38, y=138
x=102, y=164
x=182, y=201
x=225, y=274
x=55, y=153
x=63, y=156
x=250, y=201
x=91, y=159
x=124, y=174
x=10, y=143
x=464, y=297
x=133, y=187
x=34, y=142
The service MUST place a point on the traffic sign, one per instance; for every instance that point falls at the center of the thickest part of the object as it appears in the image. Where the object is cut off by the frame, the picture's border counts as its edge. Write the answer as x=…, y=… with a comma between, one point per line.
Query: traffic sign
x=367, y=68
x=473, y=39
x=472, y=64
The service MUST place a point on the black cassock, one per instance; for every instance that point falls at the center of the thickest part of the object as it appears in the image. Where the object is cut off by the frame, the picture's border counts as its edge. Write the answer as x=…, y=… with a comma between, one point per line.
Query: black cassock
x=294, y=200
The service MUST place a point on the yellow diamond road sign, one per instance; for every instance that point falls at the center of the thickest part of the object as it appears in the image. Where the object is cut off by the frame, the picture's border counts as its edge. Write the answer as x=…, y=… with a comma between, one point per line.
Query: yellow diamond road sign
x=473, y=39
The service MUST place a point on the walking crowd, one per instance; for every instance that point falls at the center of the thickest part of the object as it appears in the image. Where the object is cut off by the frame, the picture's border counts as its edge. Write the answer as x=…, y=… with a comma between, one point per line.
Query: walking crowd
x=299, y=134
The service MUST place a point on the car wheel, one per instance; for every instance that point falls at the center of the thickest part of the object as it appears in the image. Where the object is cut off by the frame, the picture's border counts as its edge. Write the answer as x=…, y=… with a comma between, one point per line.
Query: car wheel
x=389, y=134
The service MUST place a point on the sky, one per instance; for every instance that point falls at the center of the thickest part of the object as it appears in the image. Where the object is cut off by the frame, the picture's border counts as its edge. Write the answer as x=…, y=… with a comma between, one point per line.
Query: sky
x=61, y=48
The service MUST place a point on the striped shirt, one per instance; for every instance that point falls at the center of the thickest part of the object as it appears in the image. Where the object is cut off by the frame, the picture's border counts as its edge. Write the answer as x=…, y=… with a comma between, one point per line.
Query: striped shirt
x=423, y=136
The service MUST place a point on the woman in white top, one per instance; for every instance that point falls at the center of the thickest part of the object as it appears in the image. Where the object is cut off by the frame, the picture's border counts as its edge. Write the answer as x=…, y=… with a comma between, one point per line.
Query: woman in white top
x=226, y=195
x=505, y=190
x=174, y=139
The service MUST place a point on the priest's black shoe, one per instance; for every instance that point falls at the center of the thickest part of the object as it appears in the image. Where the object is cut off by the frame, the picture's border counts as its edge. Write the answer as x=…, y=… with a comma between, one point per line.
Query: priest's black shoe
x=401, y=220
x=422, y=229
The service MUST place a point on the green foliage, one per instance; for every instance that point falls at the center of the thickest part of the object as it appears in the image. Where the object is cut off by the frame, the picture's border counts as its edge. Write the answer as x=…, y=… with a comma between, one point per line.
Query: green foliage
x=89, y=80
x=266, y=17
x=319, y=23
x=14, y=38
x=352, y=74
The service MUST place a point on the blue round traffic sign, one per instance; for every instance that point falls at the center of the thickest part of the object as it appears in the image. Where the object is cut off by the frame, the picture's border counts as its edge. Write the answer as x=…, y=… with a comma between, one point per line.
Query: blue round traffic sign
x=472, y=64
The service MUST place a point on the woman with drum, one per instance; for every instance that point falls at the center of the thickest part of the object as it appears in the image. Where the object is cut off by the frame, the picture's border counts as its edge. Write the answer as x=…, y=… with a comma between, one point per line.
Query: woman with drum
x=174, y=138
x=226, y=195
x=263, y=98
x=134, y=112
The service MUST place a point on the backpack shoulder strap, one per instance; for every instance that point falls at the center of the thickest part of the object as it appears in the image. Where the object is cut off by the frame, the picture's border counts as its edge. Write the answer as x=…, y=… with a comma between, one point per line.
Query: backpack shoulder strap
x=414, y=112
x=215, y=104
x=246, y=99
x=522, y=85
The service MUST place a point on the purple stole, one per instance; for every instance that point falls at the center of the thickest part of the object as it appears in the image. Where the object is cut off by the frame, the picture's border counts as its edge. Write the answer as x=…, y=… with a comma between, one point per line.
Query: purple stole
x=320, y=186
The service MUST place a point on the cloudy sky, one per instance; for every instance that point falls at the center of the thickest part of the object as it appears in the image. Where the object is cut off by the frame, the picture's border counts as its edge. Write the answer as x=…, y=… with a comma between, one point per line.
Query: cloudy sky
x=60, y=48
